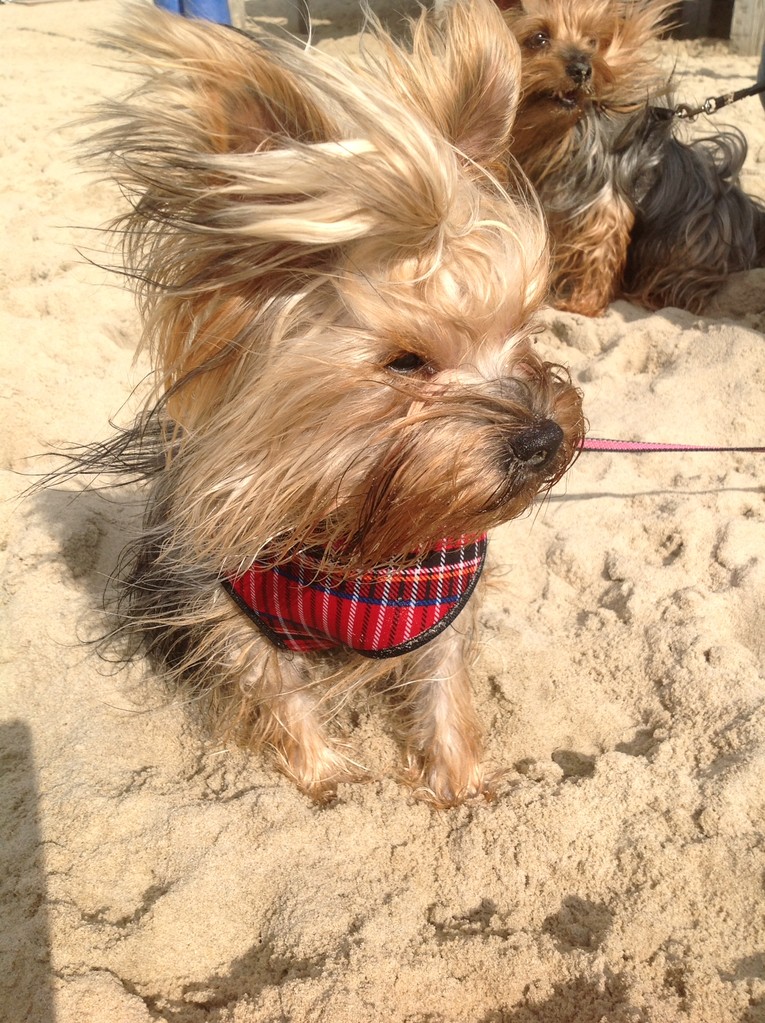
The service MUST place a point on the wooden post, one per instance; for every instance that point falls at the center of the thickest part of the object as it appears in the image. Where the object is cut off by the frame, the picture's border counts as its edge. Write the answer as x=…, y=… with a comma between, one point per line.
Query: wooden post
x=692, y=18
x=238, y=13
x=298, y=17
x=747, y=33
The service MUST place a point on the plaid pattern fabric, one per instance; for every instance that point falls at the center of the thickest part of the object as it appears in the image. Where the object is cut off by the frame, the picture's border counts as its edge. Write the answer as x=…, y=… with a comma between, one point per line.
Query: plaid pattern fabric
x=381, y=613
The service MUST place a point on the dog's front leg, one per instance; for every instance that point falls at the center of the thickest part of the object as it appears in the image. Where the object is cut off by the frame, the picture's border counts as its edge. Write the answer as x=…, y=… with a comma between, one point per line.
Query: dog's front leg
x=590, y=256
x=292, y=725
x=278, y=705
x=442, y=732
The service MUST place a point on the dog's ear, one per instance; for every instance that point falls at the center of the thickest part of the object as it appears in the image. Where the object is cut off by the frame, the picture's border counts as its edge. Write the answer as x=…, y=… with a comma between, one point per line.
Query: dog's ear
x=210, y=101
x=464, y=75
x=212, y=88
x=260, y=171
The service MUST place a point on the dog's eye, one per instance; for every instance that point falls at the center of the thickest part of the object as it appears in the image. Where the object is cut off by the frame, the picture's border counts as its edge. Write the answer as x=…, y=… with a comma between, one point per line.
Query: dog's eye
x=408, y=363
x=538, y=40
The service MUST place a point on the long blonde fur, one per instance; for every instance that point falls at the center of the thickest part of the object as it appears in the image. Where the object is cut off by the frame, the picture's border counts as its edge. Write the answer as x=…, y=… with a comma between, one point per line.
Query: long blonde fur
x=338, y=275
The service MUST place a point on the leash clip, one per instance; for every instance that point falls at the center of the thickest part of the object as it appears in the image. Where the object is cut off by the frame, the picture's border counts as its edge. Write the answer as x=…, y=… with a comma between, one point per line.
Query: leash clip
x=687, y=113
x=715, y=103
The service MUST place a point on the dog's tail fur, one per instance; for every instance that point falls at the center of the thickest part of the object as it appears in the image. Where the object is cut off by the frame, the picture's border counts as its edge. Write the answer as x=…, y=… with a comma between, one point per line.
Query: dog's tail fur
x=694, y=224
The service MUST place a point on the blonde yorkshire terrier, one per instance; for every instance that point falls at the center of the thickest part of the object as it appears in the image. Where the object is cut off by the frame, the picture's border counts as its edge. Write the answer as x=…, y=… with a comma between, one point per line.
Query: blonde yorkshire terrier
x=337, y=297
x=632, y=209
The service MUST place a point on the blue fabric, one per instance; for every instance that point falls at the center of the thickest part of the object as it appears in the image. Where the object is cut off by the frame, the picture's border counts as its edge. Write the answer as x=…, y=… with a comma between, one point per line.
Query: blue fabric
x=208, y=10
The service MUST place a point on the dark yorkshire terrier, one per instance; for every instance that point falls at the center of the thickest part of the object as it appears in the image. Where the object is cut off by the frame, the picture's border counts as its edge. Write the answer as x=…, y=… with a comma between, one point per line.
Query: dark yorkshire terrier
x=338, y=294
x=633, y=210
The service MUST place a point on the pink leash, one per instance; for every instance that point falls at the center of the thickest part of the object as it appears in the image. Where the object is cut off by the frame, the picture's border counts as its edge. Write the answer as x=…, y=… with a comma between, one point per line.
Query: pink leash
x=640, y=447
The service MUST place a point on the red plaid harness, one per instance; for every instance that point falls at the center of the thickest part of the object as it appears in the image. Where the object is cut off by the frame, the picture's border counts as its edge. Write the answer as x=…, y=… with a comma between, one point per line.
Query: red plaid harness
x=381, y=613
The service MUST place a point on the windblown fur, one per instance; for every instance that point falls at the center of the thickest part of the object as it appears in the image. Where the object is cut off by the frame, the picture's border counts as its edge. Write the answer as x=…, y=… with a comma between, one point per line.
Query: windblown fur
x=694, y=225
x=337, y=292
x=633, y=209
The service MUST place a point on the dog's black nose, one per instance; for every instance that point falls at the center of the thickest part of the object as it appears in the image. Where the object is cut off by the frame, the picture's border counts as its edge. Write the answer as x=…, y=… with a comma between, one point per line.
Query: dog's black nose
x=538, y=445
x=579, y=70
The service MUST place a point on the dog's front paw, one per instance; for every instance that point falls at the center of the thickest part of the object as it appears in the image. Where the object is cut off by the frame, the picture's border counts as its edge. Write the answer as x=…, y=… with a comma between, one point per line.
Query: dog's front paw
x=447, y=782
x=317, y=769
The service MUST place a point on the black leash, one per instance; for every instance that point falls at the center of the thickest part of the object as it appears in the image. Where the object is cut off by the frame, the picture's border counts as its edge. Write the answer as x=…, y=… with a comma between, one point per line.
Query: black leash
x=688, y=113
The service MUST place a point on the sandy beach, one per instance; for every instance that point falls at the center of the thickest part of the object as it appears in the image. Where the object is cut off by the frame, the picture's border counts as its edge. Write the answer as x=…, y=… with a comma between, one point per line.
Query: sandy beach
x=149, y=873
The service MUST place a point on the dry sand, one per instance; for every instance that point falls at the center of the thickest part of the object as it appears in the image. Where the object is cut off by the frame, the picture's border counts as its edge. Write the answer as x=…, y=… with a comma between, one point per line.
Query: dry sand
x=150, y=875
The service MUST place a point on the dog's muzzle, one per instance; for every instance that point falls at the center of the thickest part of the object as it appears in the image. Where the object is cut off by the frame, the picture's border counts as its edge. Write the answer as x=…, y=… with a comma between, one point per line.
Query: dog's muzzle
x=579, y=70
x=538, y=445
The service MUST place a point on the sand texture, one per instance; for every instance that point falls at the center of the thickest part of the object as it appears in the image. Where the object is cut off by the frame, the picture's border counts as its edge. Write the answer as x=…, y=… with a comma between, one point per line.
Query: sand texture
x=150, y=874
